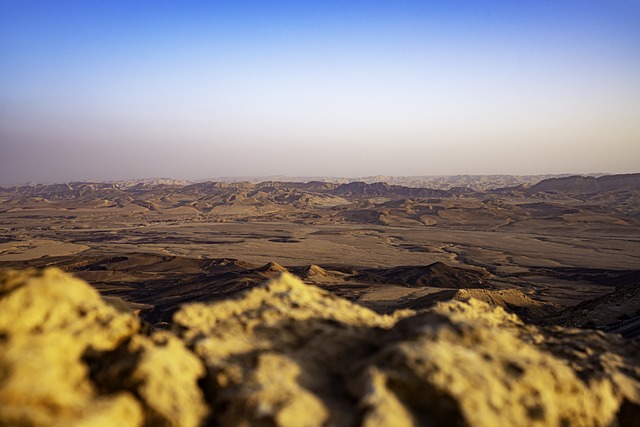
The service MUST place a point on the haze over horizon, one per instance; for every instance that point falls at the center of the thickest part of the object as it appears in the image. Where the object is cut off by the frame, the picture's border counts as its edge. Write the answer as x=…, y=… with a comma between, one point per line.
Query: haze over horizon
x=193, y=90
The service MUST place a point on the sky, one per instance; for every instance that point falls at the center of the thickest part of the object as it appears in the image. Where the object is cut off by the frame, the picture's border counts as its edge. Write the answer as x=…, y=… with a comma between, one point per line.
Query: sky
x=110, y=90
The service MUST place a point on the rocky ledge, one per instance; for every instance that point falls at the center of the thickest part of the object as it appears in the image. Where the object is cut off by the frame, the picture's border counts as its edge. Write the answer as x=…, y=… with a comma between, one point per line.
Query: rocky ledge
x=289, y=354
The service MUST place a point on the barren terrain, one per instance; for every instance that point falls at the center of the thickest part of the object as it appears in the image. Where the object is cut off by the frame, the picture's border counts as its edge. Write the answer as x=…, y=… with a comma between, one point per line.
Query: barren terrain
x=412, y=306
x=536, y=248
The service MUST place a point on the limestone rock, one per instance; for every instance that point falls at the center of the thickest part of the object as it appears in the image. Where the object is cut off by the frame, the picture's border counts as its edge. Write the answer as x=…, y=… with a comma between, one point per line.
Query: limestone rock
x=286, y=353
x=161, y=371
x=463, y=372
x=39, y=303
x=289, y=354
x=276, y=356
x=56, y=331
x=48, y=320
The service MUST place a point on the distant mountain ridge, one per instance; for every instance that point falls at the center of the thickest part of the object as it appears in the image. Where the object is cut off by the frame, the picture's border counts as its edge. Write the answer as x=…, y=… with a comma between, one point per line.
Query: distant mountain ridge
x=438, y=182
x=355, y=189
x=588, y=184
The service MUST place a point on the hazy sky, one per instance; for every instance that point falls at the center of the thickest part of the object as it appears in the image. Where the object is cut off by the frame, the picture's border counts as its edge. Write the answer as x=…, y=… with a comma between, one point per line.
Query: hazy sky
x=96, y=90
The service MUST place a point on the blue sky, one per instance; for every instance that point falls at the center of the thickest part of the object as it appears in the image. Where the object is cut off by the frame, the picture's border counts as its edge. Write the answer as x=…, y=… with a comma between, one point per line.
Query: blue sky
x=97, y=90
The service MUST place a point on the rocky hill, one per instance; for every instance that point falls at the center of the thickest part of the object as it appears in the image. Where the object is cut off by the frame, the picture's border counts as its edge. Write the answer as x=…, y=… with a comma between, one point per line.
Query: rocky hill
x=353, y=188
x=438, y=182
x=286, y=353
x=608, y=203
x=588, y=184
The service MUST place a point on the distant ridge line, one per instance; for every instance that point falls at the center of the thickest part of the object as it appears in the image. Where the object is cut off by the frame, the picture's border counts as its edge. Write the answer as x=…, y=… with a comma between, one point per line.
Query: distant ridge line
x=566, y=184
x=440, y=182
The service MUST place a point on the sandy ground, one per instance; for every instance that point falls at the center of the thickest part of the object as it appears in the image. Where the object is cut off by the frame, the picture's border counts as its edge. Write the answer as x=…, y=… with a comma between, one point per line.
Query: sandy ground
x=31, y=249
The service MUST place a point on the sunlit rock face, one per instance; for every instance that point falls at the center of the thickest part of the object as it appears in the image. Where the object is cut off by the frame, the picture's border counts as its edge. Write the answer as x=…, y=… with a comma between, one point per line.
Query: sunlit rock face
x=69, y=358
x=289, y=354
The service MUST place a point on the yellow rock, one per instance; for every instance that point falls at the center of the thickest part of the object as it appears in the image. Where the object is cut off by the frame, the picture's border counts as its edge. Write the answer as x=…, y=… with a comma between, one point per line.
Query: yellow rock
x=289, y=354
x=58, y=337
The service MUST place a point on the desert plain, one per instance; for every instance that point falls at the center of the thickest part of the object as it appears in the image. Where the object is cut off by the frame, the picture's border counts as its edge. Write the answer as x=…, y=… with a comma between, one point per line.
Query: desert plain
x=560, y=242
x=559, y=254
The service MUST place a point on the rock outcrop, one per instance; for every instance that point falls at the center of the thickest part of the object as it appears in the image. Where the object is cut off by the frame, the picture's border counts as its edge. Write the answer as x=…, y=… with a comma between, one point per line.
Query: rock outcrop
x=616, y=311
x=436, y=275
x=69, y=358
x=286, y=353
x=278, y=354
x=512, y=300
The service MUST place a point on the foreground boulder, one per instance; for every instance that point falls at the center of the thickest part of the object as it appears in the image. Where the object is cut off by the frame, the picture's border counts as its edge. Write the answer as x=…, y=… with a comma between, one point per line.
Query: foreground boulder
x=281, y=353
x=68, y=358
x=290, y=354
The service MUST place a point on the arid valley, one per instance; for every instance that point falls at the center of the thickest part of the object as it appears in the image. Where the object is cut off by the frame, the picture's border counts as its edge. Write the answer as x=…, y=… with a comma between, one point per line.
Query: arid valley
x=562, y=252
x=320, y=213
x=558, y=243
